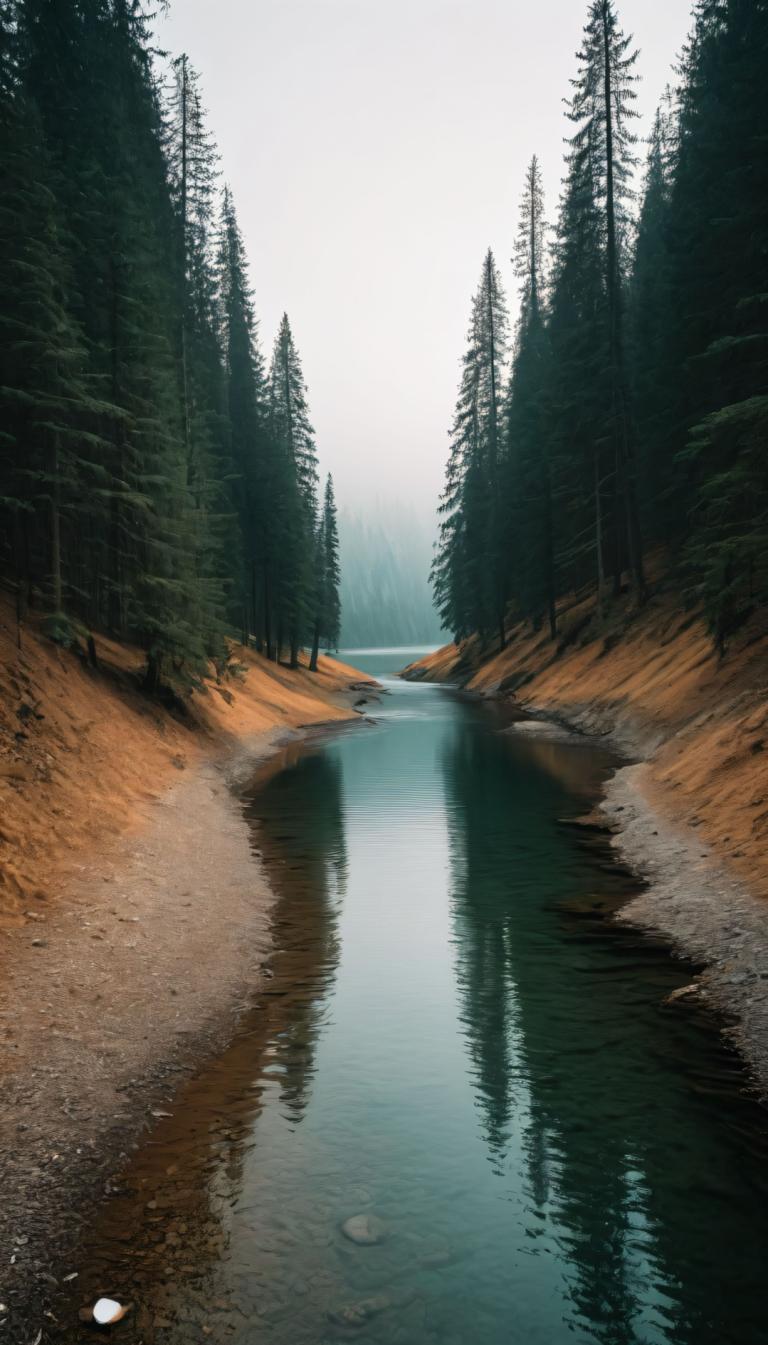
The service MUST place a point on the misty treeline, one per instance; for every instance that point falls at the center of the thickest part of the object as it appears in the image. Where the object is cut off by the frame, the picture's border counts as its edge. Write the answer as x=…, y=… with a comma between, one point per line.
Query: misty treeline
x=158, y=480
x=633, y=412
x=385, y=592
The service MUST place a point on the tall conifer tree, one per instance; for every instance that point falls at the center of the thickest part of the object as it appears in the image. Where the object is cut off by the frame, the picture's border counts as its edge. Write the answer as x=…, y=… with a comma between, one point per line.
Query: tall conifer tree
x=327, y=578
x=294, y=438
x=527, y=492
x=470, y=571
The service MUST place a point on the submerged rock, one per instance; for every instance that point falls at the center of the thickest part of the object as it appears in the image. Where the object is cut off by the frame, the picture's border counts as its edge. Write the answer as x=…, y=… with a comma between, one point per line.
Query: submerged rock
x=357, y=1314
x=683, y=992
x=364, y=1229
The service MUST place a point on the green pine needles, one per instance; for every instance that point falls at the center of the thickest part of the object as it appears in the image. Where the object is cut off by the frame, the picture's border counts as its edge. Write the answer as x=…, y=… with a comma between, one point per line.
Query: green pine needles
x=634, y=411
x=156, y=482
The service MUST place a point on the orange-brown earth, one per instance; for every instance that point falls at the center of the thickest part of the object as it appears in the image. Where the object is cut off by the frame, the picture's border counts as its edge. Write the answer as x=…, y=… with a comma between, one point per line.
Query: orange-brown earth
x=134, y=914
x=690, y=814
x=653, y=682
x=84, y=755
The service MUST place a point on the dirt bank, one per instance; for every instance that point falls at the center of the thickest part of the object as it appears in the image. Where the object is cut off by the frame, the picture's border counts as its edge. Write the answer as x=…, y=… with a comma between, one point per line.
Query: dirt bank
x=691, y=813
x=134, y=919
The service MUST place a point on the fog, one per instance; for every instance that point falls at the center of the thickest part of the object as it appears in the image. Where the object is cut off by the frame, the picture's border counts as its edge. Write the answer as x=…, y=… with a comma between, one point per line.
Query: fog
x=375, y=150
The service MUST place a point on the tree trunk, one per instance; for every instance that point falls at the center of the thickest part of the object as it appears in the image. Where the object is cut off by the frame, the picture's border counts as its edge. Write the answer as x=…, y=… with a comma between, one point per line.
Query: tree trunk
x=625, y=489
x=549, y=558
x=254, y=625
x=22, y=585
x=294, y=651
x=268, y=617
x=315, y=648
x=115, y=609
x=183, y=270
x=599, y=538
x=56, y=530
x=153, y=673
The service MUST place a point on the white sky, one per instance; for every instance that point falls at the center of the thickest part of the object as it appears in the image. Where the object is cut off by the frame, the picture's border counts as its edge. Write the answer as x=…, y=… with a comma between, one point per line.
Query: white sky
x=375, y=149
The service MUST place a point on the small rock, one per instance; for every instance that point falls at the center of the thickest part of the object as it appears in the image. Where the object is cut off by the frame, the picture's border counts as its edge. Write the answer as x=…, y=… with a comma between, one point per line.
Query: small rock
x=683, y=992
x=364, y=1229
x=357, y=1314
x=107, y=1311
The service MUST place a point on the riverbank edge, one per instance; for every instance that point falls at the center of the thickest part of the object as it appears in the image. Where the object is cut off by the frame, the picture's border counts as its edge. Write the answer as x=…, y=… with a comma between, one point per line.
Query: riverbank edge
x=68, y=1151
x=705, y=912
x=690, y=899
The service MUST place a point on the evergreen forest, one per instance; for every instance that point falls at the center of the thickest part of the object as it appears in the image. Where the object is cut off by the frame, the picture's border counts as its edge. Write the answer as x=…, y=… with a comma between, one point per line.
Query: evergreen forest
x=158, y=476
x=627, y=412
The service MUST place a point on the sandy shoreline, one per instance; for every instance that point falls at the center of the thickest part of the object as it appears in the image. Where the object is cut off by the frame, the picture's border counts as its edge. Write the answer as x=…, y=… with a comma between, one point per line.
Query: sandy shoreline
x=117, y=988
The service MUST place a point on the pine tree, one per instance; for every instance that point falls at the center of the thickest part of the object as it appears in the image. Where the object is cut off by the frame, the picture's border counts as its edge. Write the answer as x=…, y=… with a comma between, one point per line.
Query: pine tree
x=151, y=484
x=327, y=578
x=578, y=385
x=527, y=492
x=653, y=379
x=193, y=174
x=470, y=570
x=46, y=408
x=297, y=461
x=452, y=570
x=129, y=562
x=602, y=108
x=717, y=331
x=651, y=348
x=253, y=453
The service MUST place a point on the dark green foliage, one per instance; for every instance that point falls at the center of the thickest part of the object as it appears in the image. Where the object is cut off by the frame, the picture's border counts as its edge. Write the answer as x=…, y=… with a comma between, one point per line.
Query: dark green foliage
x=255, y=485
x=145, y=488
x=637, y=404
x=469, y=573
x=717, y=329
x=652, y=377
x=327, y=578
x=528, y=470
x=296, y=472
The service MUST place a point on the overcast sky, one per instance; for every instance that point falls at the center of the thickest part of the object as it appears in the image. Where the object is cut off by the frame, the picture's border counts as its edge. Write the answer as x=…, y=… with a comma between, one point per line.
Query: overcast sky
x=375, y=149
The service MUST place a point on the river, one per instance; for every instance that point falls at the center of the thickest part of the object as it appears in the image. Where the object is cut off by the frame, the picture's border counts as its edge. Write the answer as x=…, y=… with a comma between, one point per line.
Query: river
x=456, y=1045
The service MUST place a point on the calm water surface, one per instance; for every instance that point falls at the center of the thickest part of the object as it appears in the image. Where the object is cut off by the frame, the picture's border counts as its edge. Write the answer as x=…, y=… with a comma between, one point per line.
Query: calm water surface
x=453, y=1042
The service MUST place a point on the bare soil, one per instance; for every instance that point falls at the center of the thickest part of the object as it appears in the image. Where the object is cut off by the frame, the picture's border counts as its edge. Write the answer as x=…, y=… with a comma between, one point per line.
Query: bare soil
x=691, y=813
x=134, y=920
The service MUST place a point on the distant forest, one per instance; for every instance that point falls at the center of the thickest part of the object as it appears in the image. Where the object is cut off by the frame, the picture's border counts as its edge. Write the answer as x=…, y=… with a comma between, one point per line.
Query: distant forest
x=158, y=479
x=633, y=413
x=385, y=592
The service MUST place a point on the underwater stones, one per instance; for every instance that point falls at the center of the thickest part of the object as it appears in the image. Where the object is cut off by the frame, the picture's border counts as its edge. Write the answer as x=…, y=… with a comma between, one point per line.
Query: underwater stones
x=357, y=1314
x=365, y=1230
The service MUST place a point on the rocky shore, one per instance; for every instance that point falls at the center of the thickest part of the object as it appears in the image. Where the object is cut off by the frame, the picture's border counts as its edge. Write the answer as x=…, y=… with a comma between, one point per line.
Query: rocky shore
x=689, y=812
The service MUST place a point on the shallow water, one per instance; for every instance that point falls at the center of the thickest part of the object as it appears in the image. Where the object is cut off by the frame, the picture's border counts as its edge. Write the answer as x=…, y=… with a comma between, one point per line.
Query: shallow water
x=454, y=1042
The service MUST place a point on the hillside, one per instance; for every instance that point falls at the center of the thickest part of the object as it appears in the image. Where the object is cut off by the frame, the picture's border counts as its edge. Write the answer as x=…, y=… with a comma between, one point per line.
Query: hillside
x=653, y=681
x=134, y=912
x=84, y=753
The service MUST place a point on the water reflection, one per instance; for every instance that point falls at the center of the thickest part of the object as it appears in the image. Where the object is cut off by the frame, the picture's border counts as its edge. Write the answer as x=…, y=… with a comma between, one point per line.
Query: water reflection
x=452, y=1042
x=173, y=1224
x=577, y=1070
x=296, y=810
